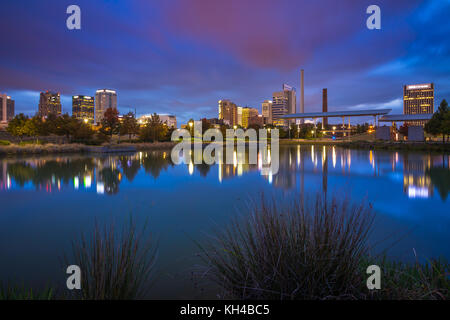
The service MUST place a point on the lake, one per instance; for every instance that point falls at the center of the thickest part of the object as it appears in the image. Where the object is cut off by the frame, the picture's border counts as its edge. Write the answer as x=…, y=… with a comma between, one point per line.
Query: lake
x=48, y=201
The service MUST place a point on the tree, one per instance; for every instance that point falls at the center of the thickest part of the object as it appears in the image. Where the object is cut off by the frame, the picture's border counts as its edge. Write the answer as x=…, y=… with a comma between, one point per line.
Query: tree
x=31, y=128
x=16, y=126
x=81, y=131
x=440, y=122
x=154, y=129
x=404, y=129
x=129, y=125
x=64, y=125
x=110, y=122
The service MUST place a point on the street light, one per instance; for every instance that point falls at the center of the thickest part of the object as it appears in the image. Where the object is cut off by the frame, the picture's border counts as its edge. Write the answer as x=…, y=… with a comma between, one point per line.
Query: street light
x=235, y=127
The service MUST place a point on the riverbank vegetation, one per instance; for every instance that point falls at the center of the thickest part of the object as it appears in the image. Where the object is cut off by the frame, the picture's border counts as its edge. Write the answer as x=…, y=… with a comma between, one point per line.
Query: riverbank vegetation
x=316, y=249
x=114, y=265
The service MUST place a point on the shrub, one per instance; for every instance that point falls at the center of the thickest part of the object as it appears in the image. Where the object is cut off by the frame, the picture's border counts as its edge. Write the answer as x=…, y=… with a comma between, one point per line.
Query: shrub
x=298, y=252
x=114, y=266
x=4, y=143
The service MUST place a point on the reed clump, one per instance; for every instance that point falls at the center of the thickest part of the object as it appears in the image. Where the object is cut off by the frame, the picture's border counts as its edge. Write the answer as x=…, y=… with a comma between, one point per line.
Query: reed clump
x=314, y=250
x=115, y=265
x=298, y=251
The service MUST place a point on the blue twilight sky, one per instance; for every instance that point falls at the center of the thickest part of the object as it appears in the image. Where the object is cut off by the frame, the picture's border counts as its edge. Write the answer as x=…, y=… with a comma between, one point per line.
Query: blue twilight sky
x=182, y=56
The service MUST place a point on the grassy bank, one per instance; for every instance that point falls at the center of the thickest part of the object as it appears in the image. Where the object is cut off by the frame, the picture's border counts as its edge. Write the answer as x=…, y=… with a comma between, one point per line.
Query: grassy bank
x=407, y=146
x=381, y=145
x=18, y=149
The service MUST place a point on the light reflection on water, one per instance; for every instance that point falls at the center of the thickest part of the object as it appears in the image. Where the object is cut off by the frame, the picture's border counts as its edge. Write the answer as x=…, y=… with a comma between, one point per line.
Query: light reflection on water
x=46, y=201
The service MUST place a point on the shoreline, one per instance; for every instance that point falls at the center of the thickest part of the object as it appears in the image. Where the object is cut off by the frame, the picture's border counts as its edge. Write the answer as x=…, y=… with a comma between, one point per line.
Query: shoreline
x=36, y=149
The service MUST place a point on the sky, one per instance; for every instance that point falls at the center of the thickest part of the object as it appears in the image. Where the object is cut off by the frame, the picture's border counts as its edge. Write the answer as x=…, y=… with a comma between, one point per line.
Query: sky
x=182, y=56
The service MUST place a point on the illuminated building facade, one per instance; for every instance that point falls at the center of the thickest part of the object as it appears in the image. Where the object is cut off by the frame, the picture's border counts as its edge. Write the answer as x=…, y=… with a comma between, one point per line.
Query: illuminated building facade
x=248, y=113
x=49, y=103
x=228, y=112
x=283, y=103
x=104, y=99
x=418, y=99
x=83, y=108
x=266, y=108
x=6, y=108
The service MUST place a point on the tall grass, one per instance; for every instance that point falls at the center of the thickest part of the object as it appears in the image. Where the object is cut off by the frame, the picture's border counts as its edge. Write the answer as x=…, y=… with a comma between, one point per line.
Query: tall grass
x=10, y=292
x=294, y=251
x=413, y=281
x=115, y=265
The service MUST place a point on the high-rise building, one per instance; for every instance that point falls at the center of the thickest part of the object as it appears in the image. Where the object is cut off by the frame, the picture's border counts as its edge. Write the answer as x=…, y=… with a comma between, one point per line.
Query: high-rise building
x=283, y=103
x=239, y=116
x=83, y=108
x=228, y=112
x=246, y=114
x=279, y=108
x=418, y=99
x=6, y=108
x=49, y=102
x=104, y=99
x=266, y=109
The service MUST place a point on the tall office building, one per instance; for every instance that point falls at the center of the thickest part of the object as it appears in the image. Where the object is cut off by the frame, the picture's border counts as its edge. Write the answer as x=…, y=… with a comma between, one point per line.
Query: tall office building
x=418, y=99
x=283, y=102
x=228, y=112
x=266, y=108
x=248, y=113
x=239, y=115
x=104, y=99
x=49, y=102
x=6, y=108
x=83, y=108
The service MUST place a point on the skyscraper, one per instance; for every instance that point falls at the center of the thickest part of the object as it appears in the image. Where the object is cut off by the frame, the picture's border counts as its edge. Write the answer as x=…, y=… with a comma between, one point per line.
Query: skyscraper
x=49, y=102
x=248, y=113
x=418, y=99
x=228, y=112
x=83, y=108
x=6, y=108
x=283, y=102
x=104, y=99
x=266, y=109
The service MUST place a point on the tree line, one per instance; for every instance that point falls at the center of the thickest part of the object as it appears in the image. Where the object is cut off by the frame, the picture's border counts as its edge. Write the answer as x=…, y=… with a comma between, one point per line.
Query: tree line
x=77, y=131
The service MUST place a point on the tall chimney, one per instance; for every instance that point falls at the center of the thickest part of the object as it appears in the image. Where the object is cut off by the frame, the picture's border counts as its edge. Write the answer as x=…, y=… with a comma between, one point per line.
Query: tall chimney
x=302, y=93
x=324, y=106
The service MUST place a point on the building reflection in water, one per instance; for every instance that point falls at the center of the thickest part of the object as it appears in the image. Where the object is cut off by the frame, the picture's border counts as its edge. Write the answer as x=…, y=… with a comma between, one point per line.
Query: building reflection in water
x=421, y=173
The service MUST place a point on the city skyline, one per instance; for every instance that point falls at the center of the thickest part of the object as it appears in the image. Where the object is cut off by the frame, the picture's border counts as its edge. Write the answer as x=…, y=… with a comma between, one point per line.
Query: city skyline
x=179, y=62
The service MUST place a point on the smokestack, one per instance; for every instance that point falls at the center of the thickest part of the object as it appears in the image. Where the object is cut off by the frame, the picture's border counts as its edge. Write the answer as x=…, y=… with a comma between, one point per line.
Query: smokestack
x=324, y=107
x=302, y=93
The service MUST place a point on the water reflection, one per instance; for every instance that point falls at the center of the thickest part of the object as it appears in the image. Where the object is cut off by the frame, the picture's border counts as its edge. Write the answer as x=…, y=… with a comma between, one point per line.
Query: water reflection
x=421, y=173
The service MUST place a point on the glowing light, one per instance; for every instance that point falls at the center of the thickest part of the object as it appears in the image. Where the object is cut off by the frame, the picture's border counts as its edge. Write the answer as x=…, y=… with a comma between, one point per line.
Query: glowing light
x=334, y=157
x=87, y=181
x=76, y=183
x=415, y=192
x=100, y=188
x=191, y=168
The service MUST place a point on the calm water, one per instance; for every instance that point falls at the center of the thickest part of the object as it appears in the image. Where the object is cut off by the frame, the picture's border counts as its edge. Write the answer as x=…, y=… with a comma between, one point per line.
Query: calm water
x=46, y=202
